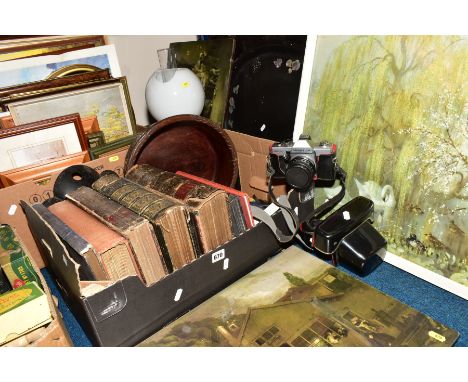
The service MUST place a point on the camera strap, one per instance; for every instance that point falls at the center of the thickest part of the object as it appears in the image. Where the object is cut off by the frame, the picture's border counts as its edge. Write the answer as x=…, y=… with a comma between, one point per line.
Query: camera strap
x=312, y=220
x=290, y=216
x=262, y=216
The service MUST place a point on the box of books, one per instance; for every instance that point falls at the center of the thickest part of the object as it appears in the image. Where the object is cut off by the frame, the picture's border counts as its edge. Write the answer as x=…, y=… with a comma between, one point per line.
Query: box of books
x=127, y=251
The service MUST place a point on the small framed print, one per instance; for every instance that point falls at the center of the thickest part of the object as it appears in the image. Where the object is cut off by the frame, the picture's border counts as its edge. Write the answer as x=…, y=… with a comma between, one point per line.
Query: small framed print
x=111, y=148
x=109, y=102
x=41, y=142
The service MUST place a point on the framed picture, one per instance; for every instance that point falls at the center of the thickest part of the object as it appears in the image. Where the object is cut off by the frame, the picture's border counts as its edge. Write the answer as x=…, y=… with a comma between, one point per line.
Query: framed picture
x=395, y=106
x=41, y=142
x=53, y=83
x=39, y=46
x=110, y=148
x=211, y=61
x=109, y=102
x=41, y=172
x=33, y=69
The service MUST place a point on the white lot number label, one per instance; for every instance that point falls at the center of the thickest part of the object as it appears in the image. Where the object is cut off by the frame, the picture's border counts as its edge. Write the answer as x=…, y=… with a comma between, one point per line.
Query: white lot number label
x=218, y=255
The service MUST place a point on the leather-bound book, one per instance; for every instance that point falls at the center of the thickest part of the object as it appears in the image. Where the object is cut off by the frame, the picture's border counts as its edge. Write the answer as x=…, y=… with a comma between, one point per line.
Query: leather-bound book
x=208, y=205
x=171, y=220
x=78, y=248
x=113, y=250
x=129, y=224
x=239, y=204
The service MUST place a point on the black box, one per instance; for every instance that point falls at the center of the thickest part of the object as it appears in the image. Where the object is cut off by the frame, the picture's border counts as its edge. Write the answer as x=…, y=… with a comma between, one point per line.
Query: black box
x=126, y=312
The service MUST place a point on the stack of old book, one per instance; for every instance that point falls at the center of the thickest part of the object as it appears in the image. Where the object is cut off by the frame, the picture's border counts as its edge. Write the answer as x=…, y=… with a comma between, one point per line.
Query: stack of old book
x=149, y=223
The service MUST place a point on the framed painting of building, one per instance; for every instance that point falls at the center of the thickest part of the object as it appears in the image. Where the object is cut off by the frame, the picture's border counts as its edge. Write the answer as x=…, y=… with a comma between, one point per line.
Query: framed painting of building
x=397, y=109
x=297, y=300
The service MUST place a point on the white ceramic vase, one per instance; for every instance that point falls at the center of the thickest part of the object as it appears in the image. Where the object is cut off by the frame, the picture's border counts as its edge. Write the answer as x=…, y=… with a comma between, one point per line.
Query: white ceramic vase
x=174, y=91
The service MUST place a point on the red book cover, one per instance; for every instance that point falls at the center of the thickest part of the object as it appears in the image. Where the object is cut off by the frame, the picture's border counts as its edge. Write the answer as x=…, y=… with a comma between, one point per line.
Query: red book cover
x=244, y=198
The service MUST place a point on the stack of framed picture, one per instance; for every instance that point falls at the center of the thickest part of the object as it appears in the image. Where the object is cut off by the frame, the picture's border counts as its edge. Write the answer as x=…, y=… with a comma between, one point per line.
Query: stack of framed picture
x=60, y=109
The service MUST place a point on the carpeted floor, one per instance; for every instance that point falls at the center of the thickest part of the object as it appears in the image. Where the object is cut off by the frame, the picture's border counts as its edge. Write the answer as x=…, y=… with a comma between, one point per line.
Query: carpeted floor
x=437, y=303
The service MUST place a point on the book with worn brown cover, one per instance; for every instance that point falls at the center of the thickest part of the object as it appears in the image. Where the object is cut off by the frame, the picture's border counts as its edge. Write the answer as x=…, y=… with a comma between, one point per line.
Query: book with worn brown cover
x=171, y=220
x=79, y=249
x=113, y=250
x=129, y=224
x=208, y=205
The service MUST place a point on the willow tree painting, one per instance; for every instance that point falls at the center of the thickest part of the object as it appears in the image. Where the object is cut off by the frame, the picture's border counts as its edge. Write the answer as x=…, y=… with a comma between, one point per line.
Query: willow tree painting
x=397, y=108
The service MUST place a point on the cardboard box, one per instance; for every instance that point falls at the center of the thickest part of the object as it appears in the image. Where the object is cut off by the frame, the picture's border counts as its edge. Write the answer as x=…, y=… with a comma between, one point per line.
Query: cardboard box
x=52, y=334
x=18, y=269
x=38, y=192
x=22, y=310
x=252, y=154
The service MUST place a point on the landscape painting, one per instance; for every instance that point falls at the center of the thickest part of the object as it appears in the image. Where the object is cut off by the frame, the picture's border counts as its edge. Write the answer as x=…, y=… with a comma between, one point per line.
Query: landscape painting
x=107, y=102
x=297, y=300
x=397, y=109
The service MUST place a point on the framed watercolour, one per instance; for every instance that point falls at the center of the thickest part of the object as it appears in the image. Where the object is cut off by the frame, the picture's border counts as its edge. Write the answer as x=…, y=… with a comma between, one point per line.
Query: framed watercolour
x=41, y=142
x=17, y=97
x=396, y=107
x=109, y=102
x=32, y=69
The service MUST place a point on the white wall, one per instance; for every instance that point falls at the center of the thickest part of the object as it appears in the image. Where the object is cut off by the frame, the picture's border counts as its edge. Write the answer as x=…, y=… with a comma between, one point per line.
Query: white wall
x=138, y=59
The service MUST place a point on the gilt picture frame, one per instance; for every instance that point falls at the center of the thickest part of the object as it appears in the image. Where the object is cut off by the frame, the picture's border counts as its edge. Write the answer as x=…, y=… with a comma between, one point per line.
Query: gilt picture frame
x=31, y=89
x=32, y=69
x=39, y=46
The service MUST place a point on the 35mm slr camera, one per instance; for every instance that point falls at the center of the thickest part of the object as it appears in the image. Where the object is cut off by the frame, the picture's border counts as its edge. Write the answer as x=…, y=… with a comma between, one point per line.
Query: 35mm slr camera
x=301, y=164
x=346, y=233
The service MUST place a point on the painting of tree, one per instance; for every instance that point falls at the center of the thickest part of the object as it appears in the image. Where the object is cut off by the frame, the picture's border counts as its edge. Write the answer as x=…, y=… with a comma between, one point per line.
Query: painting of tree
x=397, y=108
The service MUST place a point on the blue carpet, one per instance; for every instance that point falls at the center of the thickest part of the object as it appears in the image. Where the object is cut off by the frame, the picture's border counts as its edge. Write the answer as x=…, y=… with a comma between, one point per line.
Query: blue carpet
x=437, y=303
x=77, y=334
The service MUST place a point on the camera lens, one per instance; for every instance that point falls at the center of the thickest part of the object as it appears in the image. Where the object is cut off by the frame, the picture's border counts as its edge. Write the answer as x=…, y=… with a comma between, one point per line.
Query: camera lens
x=300, y=173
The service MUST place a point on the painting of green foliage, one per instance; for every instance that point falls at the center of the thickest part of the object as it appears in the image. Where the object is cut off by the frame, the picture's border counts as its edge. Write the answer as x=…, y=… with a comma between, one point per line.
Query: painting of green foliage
x=397, y=108
x=211, y=61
